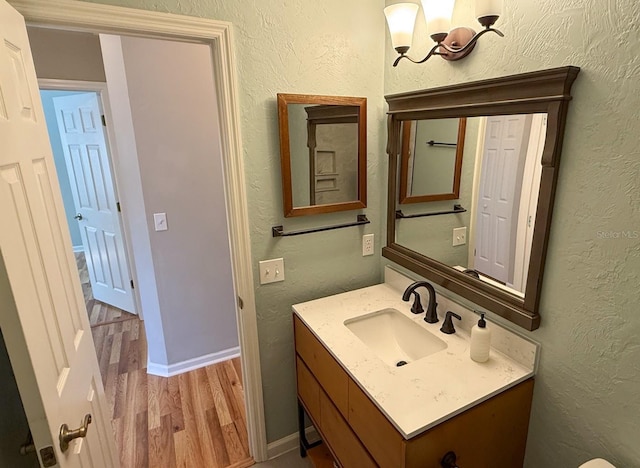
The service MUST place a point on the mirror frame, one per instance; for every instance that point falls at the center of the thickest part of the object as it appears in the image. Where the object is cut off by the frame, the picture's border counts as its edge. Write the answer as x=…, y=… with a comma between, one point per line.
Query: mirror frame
x=546, y=91
x=404, y=196
x=285, y=152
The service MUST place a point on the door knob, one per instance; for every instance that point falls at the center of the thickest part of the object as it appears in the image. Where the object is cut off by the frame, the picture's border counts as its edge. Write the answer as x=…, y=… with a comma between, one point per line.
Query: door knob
x=67, y=435
x=78, y=217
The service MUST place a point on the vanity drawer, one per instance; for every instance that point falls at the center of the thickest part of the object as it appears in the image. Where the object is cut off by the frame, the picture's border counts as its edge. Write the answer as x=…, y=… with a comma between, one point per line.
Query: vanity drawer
x=331, y=426
x=308, y=389
x=338, y=435
x=323, y=366
x=378, y=435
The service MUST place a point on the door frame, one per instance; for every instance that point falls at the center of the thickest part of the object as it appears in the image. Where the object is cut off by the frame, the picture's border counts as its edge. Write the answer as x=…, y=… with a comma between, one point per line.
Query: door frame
x=103, y=94
x=97, y=18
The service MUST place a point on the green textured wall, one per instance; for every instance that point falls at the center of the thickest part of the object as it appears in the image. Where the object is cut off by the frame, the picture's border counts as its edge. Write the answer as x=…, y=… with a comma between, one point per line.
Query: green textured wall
x=587, y=391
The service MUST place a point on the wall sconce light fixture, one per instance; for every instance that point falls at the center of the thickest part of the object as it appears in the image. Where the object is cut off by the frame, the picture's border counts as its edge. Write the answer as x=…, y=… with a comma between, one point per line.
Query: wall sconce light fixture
x=451, y=44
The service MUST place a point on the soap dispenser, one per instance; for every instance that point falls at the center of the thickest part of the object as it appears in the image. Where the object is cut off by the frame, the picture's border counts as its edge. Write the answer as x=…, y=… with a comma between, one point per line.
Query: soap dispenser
x=480, y=341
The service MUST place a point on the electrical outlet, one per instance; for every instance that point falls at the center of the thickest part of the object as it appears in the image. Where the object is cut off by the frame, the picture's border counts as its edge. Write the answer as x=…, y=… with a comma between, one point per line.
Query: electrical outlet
x=367, y=245
x=271, y=271
x=459, y=236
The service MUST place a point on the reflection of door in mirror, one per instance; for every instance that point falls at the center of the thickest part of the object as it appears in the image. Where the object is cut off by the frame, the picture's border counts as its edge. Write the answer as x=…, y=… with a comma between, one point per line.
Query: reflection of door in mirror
x=505, y=197
x=431, y=159
x=500, y=179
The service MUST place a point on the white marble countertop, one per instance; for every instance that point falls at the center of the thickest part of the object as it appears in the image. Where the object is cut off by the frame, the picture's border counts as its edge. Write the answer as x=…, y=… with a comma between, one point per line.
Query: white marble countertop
x=426, y=392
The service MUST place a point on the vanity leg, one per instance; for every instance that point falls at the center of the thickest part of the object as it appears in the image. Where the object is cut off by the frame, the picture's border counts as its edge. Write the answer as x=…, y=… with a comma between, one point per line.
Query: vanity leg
x=301, y=434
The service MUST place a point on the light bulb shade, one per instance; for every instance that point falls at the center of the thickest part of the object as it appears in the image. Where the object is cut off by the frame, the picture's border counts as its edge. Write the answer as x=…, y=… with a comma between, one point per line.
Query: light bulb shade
x=488, y=8
x=438, y=15
x=401, y=19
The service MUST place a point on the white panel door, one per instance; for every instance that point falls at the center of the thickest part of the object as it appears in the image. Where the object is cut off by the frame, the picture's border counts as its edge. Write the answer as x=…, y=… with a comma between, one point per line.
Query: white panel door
x=499, y=195
x=85, y=153
x=43, y=314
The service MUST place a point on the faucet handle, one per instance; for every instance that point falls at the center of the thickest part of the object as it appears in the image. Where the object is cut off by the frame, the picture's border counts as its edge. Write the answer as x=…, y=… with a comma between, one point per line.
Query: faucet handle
x=417, y=308
x=447, y=326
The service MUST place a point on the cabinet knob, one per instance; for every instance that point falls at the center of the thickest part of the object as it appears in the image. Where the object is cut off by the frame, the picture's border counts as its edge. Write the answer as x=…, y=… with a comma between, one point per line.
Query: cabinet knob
x=449, y=460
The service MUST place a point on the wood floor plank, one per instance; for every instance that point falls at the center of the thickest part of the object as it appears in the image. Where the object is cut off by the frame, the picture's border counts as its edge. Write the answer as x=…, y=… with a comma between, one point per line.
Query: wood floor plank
x=232, y=405
x=123, y=362
x=174, y=393
x=205, y=396
x=216, y=438
x=105, y=355
x=129, y=422
x=202, y=400
x=238, y=366
x=111, y=386
x=241, y=428
x=120, y=404
x=153, y=400
x=164, y=398
x=161, y=445
x=118, y=432
x=180, y=443
x=116, y=347
x=232, y=443
x=142, y=440
x=219, y=399
x=236, y=386
x=194, y=450
x=177, y=421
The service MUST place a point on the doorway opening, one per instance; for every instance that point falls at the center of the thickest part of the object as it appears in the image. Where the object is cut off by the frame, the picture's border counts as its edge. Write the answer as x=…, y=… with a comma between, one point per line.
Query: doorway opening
x=81, y=17
x=81, y=152
x=145, y=408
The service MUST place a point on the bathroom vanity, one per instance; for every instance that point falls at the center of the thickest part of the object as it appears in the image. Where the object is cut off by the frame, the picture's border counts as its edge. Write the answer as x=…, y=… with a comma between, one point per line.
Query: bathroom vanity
x=369, y=412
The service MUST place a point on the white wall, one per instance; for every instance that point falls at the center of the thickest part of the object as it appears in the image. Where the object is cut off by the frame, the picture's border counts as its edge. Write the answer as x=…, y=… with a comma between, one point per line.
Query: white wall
x=175, y=120
x=66, y=55
x=127, y=174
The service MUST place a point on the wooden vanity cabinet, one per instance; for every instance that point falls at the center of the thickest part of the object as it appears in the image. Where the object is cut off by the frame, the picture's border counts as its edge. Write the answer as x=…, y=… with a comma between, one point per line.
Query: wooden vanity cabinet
x=359, y=435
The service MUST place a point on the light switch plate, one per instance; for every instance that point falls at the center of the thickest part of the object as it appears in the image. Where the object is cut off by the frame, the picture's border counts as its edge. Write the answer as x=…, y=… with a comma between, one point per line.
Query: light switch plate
x=459, y=236
x=271, y=271
x=160, y=221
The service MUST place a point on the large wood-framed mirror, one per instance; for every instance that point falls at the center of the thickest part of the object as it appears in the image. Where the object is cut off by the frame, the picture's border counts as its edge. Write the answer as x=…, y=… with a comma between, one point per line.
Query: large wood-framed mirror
x=512, y=145
x=323, y=153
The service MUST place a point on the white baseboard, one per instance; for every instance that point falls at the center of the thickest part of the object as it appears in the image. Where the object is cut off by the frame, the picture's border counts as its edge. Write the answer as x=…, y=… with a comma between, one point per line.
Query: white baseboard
x=163, y=370
x=78, y=248
x=289, y=443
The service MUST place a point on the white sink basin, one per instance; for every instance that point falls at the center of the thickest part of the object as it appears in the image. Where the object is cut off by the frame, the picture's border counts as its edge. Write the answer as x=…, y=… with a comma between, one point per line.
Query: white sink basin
x=394, y=337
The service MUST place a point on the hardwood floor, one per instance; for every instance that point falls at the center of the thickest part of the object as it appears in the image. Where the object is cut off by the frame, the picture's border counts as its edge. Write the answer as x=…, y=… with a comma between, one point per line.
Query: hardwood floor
x=192, y=420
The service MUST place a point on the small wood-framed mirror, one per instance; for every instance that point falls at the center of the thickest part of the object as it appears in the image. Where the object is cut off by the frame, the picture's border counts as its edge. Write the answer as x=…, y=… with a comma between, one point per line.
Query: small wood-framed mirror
x=431, y=160
x=323, y=153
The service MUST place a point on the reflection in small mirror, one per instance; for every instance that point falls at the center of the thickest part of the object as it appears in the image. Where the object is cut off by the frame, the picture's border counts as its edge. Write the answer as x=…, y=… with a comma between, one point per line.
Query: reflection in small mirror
x=500, y=180
x=324, y=153
x=431, y=159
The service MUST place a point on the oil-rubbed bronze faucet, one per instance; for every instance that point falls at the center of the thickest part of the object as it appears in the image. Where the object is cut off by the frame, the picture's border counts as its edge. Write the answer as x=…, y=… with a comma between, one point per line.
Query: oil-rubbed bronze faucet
x=431, y=315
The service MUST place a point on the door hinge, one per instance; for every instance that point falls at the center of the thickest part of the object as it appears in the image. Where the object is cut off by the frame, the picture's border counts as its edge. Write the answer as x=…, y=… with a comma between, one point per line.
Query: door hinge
x=118, y=207
x=132, y=285
x=48, y=456
x=240, y=303
x=104, y=120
